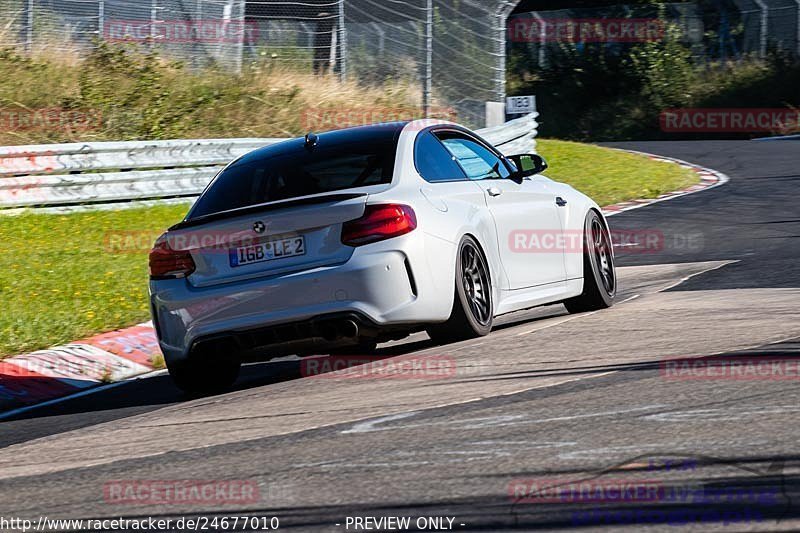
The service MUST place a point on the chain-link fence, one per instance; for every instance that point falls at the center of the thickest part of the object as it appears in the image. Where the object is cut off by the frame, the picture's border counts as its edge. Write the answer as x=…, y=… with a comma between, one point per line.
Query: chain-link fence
x=453, y=50
x=456, y=48
x=199, y=31
x=712, y=29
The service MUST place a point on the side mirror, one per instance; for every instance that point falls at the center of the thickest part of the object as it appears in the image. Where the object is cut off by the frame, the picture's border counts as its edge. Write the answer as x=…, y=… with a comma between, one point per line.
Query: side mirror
x=527, y=165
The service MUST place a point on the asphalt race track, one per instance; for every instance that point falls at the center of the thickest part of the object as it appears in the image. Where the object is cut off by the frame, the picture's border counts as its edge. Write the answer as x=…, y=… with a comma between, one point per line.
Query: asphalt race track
x=547, y=396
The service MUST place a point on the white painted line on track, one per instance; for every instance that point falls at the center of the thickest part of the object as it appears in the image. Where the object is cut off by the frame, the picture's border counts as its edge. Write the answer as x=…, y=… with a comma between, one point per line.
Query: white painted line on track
x=721, y=179
x=370, y=426
x=408, y=414
x=788, y=339
x=552, y=324
x=600, y=414
x=690, y=276
x=567, y=319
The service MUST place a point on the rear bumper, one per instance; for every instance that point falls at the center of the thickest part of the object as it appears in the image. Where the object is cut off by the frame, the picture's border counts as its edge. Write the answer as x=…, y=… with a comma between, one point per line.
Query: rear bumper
x=303, y=337
x=381, y=286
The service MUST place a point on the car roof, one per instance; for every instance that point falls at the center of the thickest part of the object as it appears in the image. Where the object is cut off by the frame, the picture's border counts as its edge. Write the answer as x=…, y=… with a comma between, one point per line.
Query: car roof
x=388, y=131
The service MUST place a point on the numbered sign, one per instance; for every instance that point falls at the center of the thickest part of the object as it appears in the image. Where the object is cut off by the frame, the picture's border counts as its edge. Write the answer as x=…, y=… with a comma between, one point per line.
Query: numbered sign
x=520, y=105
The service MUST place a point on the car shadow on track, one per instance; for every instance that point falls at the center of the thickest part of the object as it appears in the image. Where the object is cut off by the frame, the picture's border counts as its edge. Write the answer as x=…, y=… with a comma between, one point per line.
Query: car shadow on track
x=143, y=395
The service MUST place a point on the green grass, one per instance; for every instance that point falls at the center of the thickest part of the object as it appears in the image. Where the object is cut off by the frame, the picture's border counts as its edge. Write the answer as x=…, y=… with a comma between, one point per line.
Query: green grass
x=611, y=176
x=65, y=277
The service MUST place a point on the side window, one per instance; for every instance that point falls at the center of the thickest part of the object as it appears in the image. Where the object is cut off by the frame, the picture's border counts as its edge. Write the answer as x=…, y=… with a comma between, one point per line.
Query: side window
x=434, y=162
x=478, y=162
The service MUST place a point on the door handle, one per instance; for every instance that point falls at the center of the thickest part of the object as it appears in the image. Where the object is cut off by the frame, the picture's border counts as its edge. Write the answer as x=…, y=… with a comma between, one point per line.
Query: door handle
x=494, y=191
x=560, y=202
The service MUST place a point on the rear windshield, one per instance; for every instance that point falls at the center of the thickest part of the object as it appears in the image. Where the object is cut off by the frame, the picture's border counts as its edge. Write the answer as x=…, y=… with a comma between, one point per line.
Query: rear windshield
x=339, y=162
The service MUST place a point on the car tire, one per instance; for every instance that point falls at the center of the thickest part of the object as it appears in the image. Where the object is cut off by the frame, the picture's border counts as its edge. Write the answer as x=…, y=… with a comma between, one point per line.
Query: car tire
x=210, y=370
x=473, y=313
x=599, y=274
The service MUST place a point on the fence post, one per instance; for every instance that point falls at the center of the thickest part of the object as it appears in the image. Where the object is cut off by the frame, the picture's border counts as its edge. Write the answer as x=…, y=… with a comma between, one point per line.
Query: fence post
x=762, y=38
x=101, y=19
x=29, y=27
x=242, y=10
x=382, y=37
x=542, y=40
x=428, y=82
x=798, y=28
x=500, y=69
x=342, y=36
x=153, y=19
x=501, y=32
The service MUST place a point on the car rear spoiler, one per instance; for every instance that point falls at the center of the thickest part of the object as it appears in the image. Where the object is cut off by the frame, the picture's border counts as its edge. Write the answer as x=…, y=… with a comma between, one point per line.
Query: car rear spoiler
x=269, y=206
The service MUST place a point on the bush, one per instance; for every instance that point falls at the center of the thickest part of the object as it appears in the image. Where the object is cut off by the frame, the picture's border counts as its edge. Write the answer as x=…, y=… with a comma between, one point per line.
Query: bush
x=602, y=92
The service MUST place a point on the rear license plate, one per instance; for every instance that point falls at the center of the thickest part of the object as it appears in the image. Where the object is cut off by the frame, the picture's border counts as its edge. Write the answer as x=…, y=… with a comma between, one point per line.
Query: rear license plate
x=268, y=251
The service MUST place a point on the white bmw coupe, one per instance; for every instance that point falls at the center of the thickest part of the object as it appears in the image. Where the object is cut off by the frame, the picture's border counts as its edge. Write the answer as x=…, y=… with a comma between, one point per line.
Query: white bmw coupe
x=343, y=240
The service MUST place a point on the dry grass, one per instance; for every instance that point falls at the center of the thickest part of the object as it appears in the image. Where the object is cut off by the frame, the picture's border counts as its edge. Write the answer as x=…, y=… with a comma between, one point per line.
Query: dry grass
x=116, y=93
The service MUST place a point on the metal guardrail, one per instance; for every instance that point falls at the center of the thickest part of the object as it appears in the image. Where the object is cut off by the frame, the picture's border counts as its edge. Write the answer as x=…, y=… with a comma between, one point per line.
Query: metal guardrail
x=105, y=172
x=84, y=157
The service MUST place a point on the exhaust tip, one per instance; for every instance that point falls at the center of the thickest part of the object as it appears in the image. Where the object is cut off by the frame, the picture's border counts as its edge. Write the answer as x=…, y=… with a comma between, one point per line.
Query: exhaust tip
x=349, y=329
x=336, y=330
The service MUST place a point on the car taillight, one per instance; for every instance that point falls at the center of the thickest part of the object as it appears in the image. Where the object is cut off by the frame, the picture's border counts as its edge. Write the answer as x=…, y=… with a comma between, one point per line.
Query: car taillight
x=166, y=263
x=380, y=222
